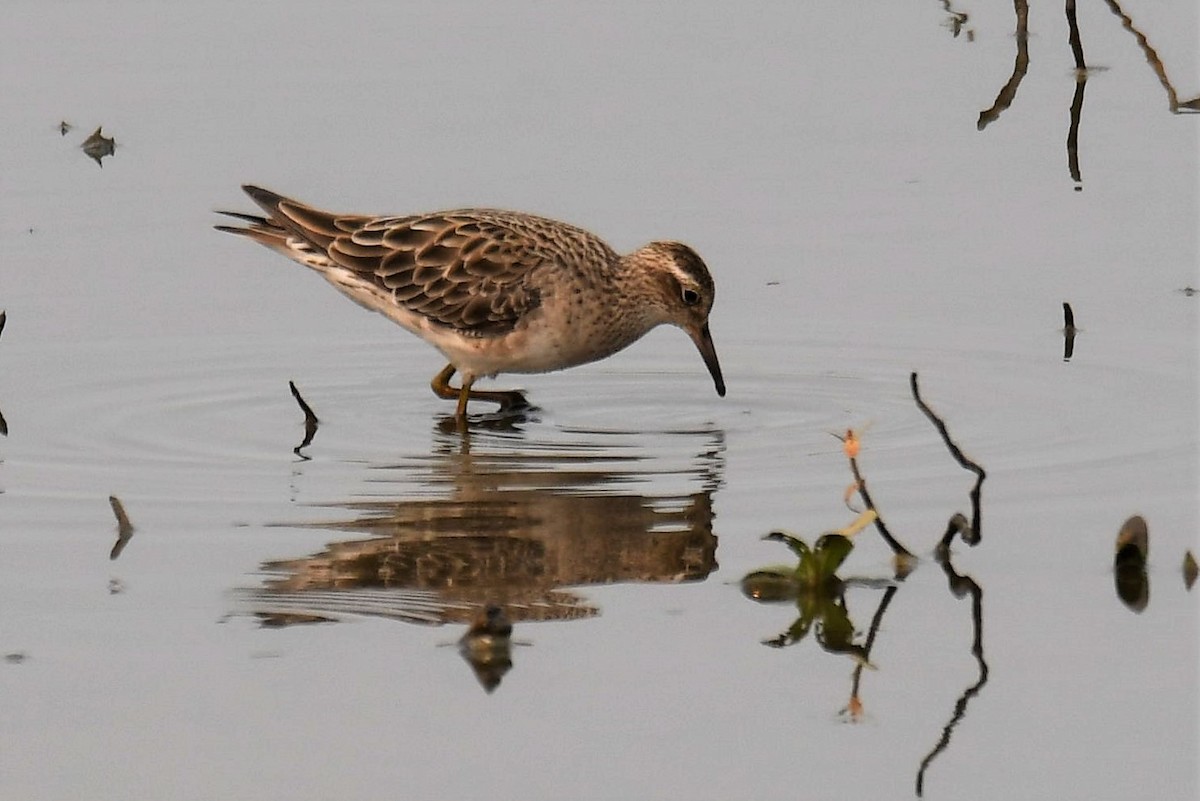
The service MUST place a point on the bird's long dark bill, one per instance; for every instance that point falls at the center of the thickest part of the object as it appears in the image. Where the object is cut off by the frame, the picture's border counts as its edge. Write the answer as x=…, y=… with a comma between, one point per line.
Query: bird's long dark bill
x=704, y=344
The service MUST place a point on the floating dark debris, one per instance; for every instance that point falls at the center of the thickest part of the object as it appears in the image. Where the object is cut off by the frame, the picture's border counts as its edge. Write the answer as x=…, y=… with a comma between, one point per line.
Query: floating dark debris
x=1188, y=291
x=3, y=422
x=124, y=527
x=1189, y=570
x=1133, y=541
x=97, y=146
x=1129, y=564
x=1068, y=332
x=64, y=127
x=310, y=421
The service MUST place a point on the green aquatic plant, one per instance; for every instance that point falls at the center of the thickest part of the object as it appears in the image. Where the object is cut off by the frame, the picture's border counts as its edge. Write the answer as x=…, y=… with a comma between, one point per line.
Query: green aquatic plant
x=814, y=586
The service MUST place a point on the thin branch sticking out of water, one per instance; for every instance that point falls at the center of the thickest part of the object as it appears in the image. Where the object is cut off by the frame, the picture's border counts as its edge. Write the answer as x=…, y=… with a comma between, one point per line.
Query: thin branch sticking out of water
x=3, y=422
x=850, y=445
x=124, y=527
x=972, y=534
x=310, y=421
x=1068, y=332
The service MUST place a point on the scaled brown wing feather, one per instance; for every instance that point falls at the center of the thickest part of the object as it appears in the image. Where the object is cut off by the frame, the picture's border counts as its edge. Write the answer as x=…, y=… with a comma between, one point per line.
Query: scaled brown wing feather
x=460, y=269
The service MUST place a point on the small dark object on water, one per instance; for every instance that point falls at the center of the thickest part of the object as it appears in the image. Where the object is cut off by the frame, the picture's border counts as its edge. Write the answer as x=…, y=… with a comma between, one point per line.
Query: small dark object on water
x=63, y=127
x=124, y=527
x=97, y=146
x=1188, y=291
x=310, y=421
x=1133, y=541
x=3, y=422
x=1129, y=564
x=1068, y=332
x=1189, y=570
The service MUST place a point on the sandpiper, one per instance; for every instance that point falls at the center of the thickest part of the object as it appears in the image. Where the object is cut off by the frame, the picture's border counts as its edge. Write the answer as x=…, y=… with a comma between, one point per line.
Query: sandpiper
x=495, y=291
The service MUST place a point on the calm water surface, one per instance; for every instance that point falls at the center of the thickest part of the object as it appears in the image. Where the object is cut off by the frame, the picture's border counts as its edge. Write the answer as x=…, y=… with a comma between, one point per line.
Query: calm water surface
x=877, y=191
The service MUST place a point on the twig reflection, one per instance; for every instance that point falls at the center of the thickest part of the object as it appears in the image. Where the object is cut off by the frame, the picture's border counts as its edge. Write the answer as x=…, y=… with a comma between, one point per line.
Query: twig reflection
x=1077, y=101
x=1153, y=60
x=820, y=594
x=1008, y=92
x=960, y=586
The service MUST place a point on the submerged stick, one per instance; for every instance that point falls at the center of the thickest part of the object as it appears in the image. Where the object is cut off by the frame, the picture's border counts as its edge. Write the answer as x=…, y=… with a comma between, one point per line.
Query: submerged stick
x=974, y=533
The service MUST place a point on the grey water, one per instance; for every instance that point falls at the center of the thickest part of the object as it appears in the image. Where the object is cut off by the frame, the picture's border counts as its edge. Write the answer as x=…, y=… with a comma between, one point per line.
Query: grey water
x=878, y=190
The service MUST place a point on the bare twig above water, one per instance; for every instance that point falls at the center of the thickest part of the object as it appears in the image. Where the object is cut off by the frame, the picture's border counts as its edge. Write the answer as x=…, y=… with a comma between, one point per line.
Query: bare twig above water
x=850, y=445
x=1068, y=332
x=310, y=421
x=974, y=532
x=124, y=527
x=3, y=422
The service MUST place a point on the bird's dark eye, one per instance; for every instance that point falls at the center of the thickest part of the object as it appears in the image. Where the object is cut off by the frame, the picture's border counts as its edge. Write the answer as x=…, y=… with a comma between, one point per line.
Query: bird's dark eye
x=690, y=297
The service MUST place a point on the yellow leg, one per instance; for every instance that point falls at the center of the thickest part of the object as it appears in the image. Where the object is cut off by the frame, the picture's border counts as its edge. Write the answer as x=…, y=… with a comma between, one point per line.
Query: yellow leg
x=464, y=395
x=509, y=400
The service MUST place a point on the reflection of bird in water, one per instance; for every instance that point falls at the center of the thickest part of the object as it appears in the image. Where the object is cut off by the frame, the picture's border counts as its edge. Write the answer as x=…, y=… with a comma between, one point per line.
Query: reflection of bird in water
x=487, y=645
x=495, y=291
